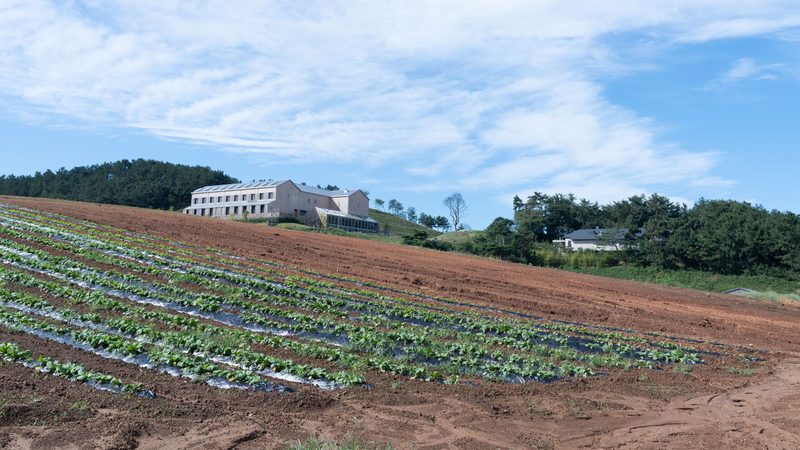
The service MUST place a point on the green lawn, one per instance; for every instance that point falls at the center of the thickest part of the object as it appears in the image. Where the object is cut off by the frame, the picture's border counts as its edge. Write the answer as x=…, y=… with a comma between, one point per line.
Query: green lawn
x=767, y=286
x=458, y=237
x=397, y=225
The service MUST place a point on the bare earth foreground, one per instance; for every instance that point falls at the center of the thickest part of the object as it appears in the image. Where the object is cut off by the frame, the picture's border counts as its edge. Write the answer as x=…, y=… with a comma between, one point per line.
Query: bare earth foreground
x=731, y=402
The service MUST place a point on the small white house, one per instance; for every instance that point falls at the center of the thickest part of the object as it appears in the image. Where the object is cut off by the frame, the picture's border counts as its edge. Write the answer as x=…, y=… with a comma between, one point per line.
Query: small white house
x=598, y=239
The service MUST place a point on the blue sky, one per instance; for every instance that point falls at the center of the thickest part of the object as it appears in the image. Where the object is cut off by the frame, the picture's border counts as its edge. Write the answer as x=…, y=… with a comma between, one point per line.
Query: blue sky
x=415, y=101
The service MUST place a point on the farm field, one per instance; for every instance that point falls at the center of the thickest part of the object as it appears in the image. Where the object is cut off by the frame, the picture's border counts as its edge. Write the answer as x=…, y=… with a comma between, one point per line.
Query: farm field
x=125, y=328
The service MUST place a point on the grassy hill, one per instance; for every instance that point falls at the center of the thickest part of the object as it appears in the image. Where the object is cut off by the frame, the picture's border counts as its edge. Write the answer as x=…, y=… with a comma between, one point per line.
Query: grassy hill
x=459, y=237
x=397, y=225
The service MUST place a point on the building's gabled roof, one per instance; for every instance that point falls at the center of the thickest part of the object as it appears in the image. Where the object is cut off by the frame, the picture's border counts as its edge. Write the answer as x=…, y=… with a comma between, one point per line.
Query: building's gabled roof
x=273, y=183
x=237, y=186
x=325, y=192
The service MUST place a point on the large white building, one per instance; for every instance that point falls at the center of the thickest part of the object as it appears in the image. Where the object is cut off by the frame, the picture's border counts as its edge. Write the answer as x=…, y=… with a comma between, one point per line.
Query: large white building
x=345, y=209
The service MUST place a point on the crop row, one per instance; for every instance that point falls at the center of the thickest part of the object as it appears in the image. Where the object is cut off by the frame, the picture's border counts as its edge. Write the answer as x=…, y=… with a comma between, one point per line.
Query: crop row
x=131, y=351
x=12, y=352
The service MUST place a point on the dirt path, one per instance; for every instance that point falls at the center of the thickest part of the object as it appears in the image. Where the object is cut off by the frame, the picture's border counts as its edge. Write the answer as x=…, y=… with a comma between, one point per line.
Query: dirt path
x=758, y=415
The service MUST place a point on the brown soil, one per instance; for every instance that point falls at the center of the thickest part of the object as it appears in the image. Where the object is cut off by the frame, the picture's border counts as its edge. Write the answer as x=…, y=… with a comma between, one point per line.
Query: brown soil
x=727, y=403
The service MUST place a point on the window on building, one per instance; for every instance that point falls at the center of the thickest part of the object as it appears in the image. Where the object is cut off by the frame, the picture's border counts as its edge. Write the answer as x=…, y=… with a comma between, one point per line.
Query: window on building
x=302, y=212
x=203, y=200
x=236, y=198
x=219, y=199
x=261, y=196
x=269, y=195
x=236, y=210
x=210, y=199
x=227, y=210
x=227, y=198
x=203, y=212
x=253, y=209
x=195, y=200
x=262, y=209
x=194, y=211
x=252, y=197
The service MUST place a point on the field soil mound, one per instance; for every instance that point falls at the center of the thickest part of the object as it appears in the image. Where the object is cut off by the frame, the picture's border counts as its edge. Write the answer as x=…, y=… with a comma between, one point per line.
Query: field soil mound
x=734, y=401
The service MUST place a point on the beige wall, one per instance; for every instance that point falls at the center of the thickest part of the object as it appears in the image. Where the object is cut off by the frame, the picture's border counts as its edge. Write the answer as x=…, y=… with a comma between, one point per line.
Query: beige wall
x=296, y=203
x=358, y=204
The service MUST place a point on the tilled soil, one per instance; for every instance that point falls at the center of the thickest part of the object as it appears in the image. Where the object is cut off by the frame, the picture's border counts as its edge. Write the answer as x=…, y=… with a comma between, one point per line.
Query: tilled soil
x=730, y=402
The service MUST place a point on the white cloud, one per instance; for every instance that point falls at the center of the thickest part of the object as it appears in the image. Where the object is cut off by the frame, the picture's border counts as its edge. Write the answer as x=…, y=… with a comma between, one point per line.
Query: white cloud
x=744, y=69
x=499, y=95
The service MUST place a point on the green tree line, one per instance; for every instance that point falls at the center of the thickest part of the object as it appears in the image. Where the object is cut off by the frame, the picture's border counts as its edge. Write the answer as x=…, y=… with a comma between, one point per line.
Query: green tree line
x=720, y=236
x=142, y=183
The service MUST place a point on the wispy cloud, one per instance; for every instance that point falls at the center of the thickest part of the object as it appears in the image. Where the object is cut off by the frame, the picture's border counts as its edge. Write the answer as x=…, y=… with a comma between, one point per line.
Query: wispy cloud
x=485, y=95
x=745, y=69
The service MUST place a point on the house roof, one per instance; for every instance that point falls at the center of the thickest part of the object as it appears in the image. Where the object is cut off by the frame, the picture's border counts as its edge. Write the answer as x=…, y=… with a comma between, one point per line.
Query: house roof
x=273, y=183
x=594, y=234
x=325, y=192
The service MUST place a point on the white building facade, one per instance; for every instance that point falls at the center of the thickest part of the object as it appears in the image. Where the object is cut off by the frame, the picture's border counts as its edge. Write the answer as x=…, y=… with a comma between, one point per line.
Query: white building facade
x=597, y=239
x=345, y=209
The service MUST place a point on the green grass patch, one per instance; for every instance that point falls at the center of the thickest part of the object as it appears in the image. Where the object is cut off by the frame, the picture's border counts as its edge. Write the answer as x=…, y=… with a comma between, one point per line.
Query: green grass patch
x=773, y=296
x=395, y=225
x=458, y=237
x=683, y=368
x=742, y=371
x=314, y=443
x=294, y=226
x=703, y=281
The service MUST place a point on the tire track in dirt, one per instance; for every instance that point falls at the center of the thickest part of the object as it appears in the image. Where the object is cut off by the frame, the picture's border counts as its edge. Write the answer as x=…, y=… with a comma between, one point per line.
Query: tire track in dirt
x=739, y=410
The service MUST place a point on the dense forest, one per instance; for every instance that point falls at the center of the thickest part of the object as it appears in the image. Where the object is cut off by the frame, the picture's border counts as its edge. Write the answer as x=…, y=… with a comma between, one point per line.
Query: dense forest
x=142, y=183
x=720, y=236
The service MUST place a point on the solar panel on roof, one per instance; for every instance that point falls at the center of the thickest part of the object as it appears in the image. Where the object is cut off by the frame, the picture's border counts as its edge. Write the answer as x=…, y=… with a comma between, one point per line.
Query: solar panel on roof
x=235, y=186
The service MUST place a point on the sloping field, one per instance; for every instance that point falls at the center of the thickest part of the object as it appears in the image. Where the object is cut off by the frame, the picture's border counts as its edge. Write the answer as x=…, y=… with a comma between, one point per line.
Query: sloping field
x=122, y=327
